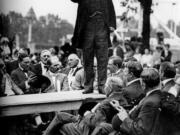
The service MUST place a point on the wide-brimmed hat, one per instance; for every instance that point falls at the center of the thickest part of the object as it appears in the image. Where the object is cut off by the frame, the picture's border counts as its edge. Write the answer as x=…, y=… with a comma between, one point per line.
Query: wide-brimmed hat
x=39, y=80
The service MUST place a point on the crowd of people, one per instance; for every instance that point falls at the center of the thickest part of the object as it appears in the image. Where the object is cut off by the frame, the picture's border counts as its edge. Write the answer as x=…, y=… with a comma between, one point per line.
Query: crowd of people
x=142, y=90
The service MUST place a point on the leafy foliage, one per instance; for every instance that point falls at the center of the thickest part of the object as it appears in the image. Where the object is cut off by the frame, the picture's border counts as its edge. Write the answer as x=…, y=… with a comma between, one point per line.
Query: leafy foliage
x=45, y=29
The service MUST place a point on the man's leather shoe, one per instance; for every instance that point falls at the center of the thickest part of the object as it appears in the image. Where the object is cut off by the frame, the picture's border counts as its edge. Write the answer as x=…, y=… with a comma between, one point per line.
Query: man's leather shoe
x=87, y=91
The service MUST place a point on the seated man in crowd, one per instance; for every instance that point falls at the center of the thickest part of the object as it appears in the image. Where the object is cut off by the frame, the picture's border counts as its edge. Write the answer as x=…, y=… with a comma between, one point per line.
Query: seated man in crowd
x=115, y=66
x=21, y=74
x=166, y=53
x=14, y=64
x=133, y=91
x=7, y=85
x=143, y=119
x=76, y=73
x=116, y=49
x=26, y=80
x=59, y=81
x=43, y=66
x=96, y=122
x=168, y=73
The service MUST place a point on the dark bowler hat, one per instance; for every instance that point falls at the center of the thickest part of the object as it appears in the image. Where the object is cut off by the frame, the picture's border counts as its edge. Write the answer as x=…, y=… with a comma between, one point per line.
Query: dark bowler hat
x=37, y=81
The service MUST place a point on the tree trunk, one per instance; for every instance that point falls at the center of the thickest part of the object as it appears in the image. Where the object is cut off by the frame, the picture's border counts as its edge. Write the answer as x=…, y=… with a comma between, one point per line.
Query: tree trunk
x=146, y=4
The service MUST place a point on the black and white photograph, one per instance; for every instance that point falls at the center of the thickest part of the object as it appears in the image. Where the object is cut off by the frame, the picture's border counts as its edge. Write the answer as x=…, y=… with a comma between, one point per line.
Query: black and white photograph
x=90, y=67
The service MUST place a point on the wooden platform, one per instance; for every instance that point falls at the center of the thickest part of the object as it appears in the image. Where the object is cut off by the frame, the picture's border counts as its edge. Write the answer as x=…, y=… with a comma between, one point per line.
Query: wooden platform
x=46, y=102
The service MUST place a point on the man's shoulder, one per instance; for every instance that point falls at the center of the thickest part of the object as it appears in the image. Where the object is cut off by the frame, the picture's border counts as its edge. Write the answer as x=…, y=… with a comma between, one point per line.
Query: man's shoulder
x=36, y=68
x=154, y=98
x=168, y=85
x=36, y=65
x=80, y=71
x=16, y=71
x=134, y=85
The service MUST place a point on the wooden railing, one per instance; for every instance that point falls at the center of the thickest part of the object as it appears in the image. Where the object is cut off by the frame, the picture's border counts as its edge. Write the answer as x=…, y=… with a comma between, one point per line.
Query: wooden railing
x=46, y=102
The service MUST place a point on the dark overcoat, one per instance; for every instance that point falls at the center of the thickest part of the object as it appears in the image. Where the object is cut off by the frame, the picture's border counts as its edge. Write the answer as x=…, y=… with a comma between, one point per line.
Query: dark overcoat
x=83, y=16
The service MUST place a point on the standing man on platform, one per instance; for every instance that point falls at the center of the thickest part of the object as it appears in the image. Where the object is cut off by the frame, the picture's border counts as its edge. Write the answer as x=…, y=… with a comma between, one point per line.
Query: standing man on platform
x=95, y=20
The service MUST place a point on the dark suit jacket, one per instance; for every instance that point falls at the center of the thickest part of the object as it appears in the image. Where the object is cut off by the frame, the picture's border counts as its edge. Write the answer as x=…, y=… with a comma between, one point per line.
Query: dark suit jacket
x=19, y=77
x=170, y=114
x=168, y=57
x=144, y=120
x=133, y=91
x=37, y=69
x=11, y=65
x=85, y=127
x=168, y=85
x=83, y=16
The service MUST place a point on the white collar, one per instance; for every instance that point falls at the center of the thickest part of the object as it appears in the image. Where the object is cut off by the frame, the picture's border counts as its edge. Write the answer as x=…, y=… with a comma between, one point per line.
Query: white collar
x=151, y=91
x=166, y=81
x=119, y=71
x=71, y=72
x=42, y=64
x=133, y=81
x=21, y=67
x=73, y=69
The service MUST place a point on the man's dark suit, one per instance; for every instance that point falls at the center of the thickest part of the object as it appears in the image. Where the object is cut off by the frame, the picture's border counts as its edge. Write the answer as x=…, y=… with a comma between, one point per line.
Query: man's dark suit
x=37, y=69
x=19, y=77
x=168, y=57
x=92, y=35
x=168, y=85
x=83, y=17
x=11, y=65
x=144, y=119
x=170, y=114
x=133, y=92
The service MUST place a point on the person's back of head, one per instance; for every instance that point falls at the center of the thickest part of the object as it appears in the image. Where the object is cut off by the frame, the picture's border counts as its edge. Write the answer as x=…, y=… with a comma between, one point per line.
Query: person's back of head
x=167, y=46
x=134, y=68
x=113, y=85
x=22, y=56
x=150, y=77
x=117, y=61
x=130, y=59
x=167, y=70
x=23, y=50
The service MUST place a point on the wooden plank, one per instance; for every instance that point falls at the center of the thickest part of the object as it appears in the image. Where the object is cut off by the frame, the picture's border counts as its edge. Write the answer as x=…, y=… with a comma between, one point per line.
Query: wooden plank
x=46, y=102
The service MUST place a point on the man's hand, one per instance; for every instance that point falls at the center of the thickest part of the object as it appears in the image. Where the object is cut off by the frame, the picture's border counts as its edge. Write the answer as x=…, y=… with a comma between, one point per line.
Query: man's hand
x=95, y=107
x=32, y=79
x=122, y=112
x=115, y=104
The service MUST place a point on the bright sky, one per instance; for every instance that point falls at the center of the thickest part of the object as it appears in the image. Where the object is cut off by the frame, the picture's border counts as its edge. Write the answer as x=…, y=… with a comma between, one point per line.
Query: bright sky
x=67, y=9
